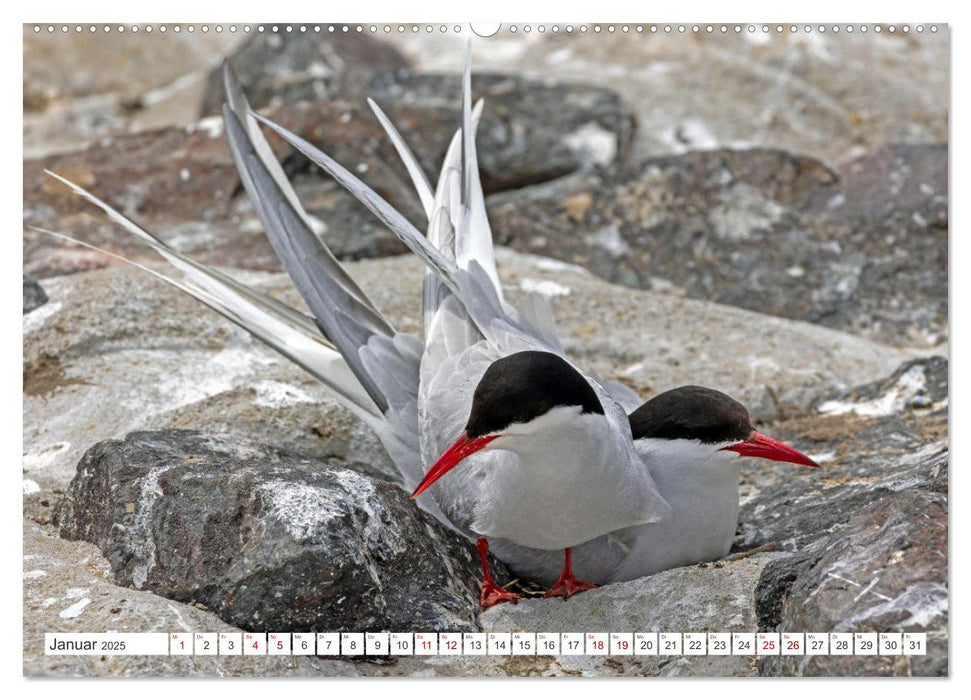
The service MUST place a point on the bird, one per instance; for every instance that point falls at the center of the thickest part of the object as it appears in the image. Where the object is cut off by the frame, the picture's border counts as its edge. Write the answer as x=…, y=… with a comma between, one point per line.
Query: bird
x=494, y=431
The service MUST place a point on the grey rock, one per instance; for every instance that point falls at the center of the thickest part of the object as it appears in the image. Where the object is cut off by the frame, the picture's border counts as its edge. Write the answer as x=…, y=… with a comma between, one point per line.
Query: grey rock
x=829, y=95
x=265, y=541
x=68, y=588
x=531, y=131
x=863, y=250
x=865, y=456
x=181, y=183
x=289, y=67
x=708, y=598
x=34, y=295
x=886, y=572
x=867, y=533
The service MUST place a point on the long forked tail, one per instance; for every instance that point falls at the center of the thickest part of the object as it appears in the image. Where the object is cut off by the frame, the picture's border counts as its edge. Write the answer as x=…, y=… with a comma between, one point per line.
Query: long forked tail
x=282, y=327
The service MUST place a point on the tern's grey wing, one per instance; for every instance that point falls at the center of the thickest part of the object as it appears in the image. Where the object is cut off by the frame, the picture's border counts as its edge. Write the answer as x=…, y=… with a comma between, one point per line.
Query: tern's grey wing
x=237, y=103
x=422, y=187
x=623, y=395
x=344, y=319
x=391, y=217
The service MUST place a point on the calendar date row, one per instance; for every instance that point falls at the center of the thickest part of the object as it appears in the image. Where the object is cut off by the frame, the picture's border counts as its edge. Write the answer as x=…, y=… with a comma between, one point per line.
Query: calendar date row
x=351, y=644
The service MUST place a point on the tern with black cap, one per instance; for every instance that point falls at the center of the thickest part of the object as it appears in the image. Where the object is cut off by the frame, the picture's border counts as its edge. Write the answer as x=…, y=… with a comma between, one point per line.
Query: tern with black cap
x=495, y=432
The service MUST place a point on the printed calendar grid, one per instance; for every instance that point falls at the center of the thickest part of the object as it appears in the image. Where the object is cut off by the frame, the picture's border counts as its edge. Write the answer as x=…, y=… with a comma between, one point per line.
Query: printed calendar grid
x=520, y=643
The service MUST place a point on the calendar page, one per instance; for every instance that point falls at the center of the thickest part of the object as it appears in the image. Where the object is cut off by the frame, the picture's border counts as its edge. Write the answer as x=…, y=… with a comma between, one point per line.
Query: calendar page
x=483, y=350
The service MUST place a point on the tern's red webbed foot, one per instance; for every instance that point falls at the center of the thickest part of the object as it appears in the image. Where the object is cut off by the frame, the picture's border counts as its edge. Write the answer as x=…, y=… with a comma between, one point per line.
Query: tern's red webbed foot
x=567, y=584
x=492, y=593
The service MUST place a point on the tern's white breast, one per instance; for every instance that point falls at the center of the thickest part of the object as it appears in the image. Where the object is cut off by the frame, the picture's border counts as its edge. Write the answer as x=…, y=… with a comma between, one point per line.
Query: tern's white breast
x=700, y=483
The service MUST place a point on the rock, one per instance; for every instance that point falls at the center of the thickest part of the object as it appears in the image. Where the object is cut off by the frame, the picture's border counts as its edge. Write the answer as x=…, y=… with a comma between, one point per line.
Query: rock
x=288, y=67
x=530, y=131
x=863, y=250
x=864, y=456
x=67, y=588
x=829, y=95
x=34, y=295
x=867, y=533
x=181, y=183
x=266, y=541
x=708, y=598
x=80, y=87
x=177, y=182
x=885, y=572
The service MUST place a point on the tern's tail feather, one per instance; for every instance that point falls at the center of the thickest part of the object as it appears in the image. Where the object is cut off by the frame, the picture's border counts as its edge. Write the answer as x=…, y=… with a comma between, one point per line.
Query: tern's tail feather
x=283, y=328
x=236, y=100
x=474, y=240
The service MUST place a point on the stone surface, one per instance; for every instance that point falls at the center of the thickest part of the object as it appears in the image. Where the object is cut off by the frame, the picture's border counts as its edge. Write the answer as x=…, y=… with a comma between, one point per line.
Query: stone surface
x=289, y=67
x=34, y=295
x=530, y=131
x=182, y=184
x=829, y=95
x=867, y=532
x=266, y=541
x=886, y=572
x=864, y=249
x=706, y=598
x=68, y=588
x=80, y=87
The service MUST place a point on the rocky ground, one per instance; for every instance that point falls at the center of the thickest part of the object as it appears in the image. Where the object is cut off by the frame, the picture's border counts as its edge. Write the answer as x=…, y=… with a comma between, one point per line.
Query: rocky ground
x=180, y=476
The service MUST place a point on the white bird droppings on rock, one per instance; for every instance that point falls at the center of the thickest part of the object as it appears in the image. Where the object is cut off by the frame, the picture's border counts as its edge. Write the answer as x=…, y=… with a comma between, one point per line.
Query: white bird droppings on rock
x=45, y=457
x=591, y=141
x=213, y=126
x=273, y=394
x=36, y=318
x=300, y=508
x=910, y=384
x=547, y=288
x=610, y=240
x=75, y=610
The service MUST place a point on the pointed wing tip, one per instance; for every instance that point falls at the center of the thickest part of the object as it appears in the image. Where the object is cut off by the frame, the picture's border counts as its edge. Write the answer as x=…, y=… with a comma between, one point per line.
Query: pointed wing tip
x=54, y=175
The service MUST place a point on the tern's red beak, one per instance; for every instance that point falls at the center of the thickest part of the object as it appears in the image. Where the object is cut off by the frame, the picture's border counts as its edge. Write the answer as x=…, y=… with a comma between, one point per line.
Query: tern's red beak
x=460, y=449
x=765, y=447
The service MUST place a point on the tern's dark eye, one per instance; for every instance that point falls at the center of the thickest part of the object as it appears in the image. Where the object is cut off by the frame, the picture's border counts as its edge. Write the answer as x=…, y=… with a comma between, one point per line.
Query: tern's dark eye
x=524, y=386
x=692, y=413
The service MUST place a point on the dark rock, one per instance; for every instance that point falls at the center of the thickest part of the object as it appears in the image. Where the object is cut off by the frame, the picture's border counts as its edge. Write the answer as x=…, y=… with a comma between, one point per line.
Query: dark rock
x=266, y=541
x=182, y=183
x=287, y=67
x=864, y=249
x=866, y=533
x=864, y=458
x=530, y=131
x=886, y=572
x=34, y=295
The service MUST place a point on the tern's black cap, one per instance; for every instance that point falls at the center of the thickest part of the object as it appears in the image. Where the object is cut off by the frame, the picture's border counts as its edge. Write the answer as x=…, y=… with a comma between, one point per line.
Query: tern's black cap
x=692, y=413
x=524, y=386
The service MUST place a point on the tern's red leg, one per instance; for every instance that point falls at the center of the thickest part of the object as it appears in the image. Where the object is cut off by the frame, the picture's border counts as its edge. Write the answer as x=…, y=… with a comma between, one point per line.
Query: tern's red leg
x=492, y=593
x=566, y=585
